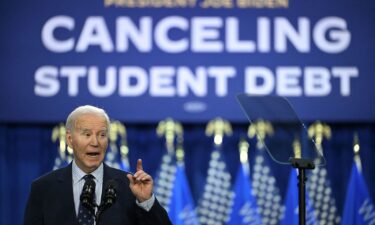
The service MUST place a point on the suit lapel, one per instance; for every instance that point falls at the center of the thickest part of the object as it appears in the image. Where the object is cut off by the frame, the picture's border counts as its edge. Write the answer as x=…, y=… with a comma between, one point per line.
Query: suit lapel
x=65, y=194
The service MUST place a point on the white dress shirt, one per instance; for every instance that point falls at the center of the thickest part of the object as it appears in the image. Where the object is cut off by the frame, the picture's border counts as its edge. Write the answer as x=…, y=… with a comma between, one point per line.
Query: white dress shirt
x=78, y=182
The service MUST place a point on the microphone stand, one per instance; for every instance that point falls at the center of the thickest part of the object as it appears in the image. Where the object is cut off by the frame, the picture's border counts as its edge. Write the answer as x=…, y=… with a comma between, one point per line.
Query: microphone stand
x=109, y=200
x=302, y=165
x=100, y=210
x=97, y=214
x=87, y=198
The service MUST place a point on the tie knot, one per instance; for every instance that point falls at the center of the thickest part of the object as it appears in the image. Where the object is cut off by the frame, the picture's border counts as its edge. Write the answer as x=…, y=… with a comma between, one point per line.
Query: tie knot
x=88, y=177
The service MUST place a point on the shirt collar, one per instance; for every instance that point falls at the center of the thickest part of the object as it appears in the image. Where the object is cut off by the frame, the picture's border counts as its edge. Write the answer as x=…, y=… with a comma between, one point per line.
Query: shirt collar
x=78, y=174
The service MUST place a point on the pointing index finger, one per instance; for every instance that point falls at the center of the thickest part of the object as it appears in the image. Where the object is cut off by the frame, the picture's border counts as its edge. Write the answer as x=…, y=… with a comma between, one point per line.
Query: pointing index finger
x=139, y=165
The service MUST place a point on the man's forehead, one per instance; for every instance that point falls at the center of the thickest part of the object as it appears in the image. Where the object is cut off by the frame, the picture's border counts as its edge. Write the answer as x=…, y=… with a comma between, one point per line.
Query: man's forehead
x=85, y=128
x=90, y=122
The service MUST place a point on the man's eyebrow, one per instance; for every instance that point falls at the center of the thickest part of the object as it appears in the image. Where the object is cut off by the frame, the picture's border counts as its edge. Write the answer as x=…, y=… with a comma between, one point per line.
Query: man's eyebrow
x=83, y=129
x=87, y=129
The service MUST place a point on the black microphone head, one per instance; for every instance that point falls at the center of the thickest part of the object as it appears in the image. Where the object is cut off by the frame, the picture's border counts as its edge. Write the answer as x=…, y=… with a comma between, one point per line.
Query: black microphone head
x=110, y=192
x=110, y=196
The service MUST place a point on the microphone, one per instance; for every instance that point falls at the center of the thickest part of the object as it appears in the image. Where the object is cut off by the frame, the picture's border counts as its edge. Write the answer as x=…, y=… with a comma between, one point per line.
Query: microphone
x=88, y=195
x=110, y=193
x=110, y=196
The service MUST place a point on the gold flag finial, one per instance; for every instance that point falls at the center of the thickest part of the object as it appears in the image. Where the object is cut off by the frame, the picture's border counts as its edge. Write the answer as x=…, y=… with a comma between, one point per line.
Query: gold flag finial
x=260, y=129
x=59, y=133
x=118, y=130
x=218, y=127
x=65, y=153
x=243, y=147
x=170, y=129
x=318, y=131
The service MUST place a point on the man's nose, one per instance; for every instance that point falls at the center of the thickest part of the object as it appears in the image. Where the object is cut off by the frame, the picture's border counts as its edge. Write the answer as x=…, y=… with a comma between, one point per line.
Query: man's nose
x=94, y=140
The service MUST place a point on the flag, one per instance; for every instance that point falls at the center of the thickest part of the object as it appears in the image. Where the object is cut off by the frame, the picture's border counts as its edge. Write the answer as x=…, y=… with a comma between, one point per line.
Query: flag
x=171, y=185
x=164, y=179
x=320, y=192
x=172, y=131
x=245, y=209
x=114, y=159
x=64, y=153
x=216, y=201
x=182, y=209
x=291, y=204
x=318, y=186
x=117, y=157
x=173, y=192
x=265, y=189
x=358, y=208
x=62, y=160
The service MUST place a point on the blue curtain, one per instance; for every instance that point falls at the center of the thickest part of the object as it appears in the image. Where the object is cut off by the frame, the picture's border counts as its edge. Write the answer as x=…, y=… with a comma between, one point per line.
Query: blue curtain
x=27, y=152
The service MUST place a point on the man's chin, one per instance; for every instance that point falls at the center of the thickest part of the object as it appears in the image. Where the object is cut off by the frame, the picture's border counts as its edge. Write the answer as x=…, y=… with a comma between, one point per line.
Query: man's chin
x=93, y=164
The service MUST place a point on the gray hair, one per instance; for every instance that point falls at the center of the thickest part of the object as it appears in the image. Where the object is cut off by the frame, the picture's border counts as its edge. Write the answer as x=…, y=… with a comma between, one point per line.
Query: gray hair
x=81, y=110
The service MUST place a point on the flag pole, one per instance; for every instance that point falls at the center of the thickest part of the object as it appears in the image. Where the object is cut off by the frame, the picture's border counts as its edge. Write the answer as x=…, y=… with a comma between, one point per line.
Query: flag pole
x=356, y=149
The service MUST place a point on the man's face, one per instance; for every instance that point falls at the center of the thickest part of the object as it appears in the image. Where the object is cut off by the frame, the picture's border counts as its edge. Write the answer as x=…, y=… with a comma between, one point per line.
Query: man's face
x=89, y=141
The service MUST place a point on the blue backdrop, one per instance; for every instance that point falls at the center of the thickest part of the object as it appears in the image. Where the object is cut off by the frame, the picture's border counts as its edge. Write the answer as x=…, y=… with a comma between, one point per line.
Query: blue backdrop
x=27, y=152
x=144, y=62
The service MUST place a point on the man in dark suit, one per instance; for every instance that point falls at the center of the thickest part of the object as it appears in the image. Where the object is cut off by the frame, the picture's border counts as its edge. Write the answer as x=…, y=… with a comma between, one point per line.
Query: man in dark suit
x=55, y=197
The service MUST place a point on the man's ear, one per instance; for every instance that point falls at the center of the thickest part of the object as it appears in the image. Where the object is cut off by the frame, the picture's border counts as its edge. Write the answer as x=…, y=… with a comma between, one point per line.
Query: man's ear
x=69, y=138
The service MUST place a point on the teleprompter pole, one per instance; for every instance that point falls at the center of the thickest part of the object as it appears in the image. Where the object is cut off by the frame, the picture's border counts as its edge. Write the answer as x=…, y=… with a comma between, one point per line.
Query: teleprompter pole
x=302, y=165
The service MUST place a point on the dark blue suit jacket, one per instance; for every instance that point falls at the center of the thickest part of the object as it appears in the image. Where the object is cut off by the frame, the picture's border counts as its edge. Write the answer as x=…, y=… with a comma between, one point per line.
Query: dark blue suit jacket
x=51, y=202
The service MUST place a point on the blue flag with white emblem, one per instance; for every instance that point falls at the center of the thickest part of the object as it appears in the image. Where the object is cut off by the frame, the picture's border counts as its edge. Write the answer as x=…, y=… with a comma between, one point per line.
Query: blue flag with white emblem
x=291, y=204
x=358, y=209
x=245, y=210
x=182, y=208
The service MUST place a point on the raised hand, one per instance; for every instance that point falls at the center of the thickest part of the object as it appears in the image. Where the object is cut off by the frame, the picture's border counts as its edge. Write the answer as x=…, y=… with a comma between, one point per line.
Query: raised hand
x=141, y=183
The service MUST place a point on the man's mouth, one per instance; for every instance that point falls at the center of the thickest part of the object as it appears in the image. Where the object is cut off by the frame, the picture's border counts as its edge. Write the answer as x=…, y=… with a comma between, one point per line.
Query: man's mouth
x=92, y=154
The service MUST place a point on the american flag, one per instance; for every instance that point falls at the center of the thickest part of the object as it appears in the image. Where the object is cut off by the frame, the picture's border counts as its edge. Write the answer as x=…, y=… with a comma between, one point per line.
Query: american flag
x=64, y=153
x=117, y=153
x=215, y=204
x=265, y=189
x=320, y=193
x=165, y=179
x=166, y=174
x=245, y=210
x=318, y=185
